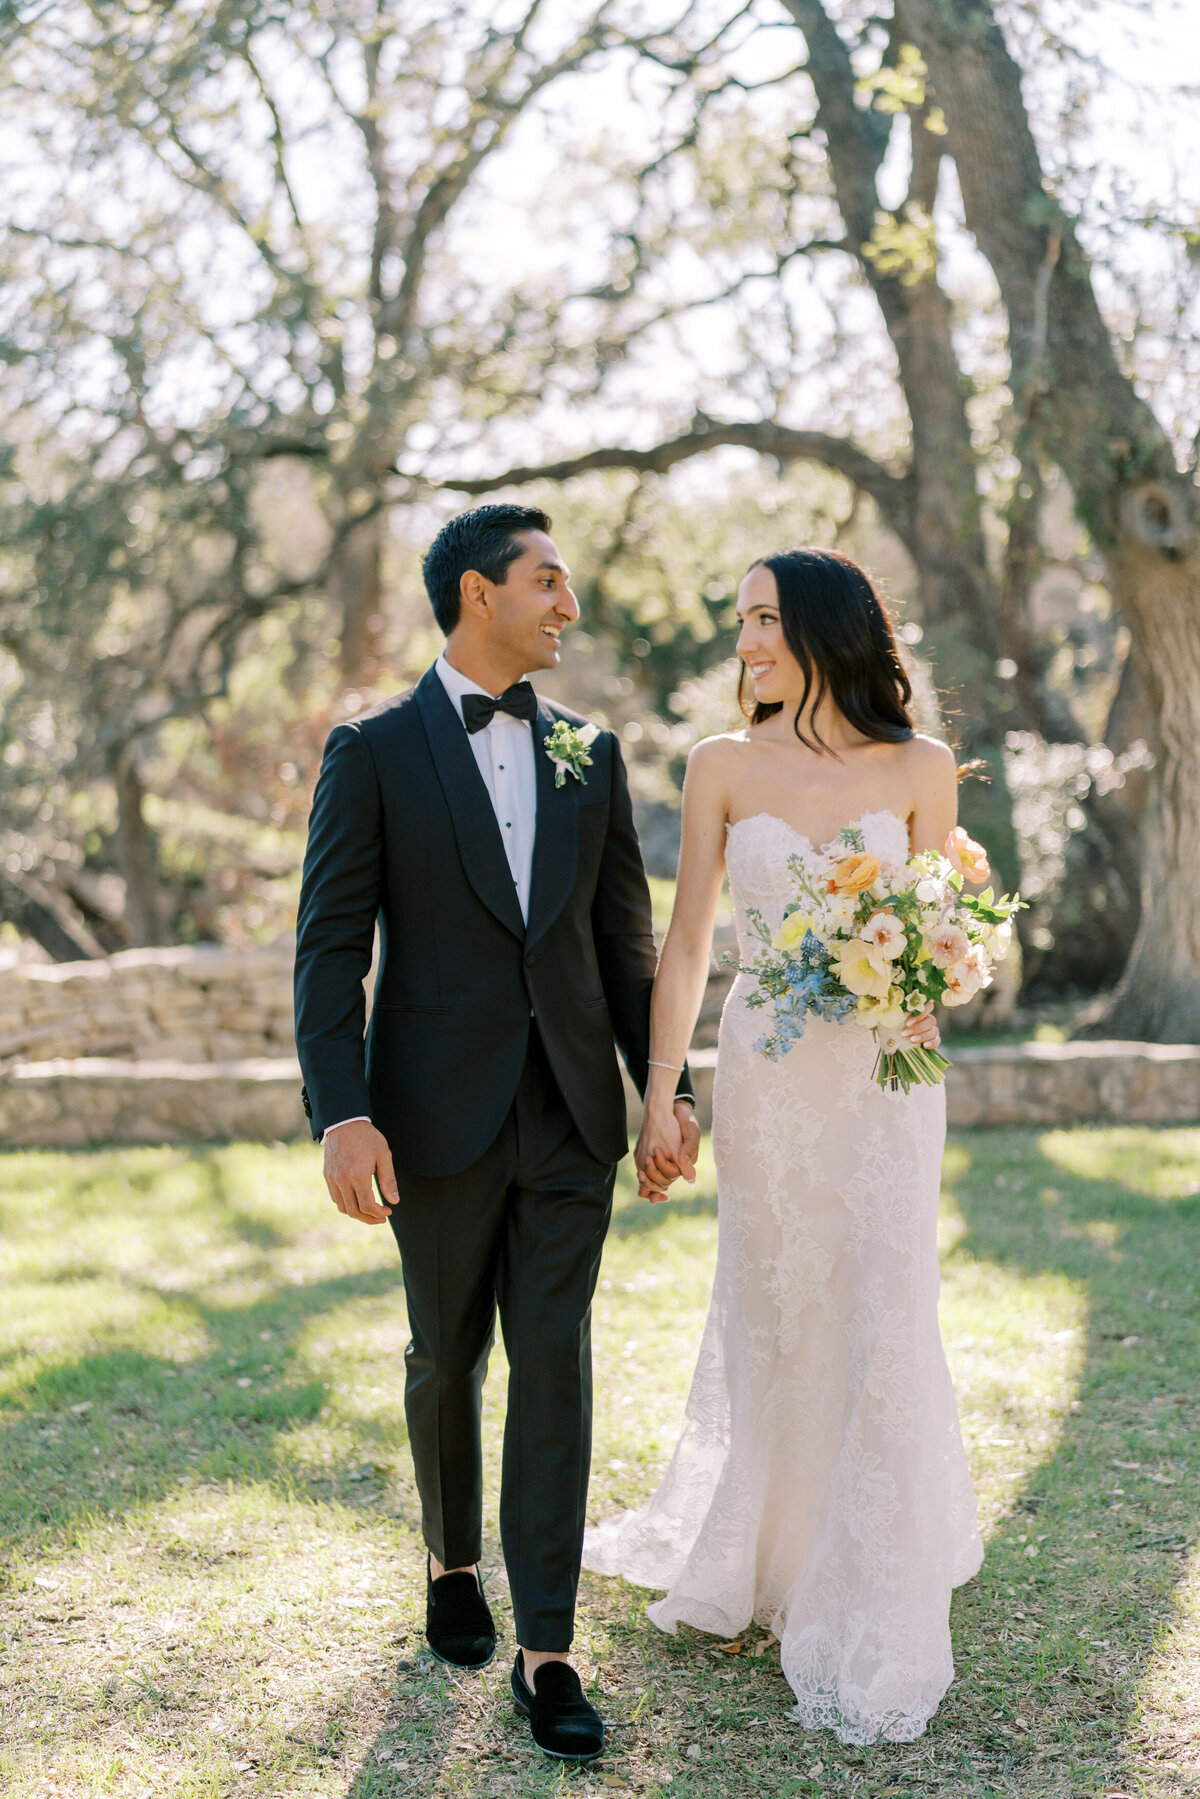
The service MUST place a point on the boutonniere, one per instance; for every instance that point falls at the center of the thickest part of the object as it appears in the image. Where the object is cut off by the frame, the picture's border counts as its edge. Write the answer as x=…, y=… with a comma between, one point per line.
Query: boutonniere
x=567, y=748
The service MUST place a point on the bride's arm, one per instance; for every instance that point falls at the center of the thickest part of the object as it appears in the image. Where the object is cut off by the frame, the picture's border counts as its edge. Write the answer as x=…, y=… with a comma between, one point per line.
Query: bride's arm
x=934, y=815
x=684, y=964
x=935, y=795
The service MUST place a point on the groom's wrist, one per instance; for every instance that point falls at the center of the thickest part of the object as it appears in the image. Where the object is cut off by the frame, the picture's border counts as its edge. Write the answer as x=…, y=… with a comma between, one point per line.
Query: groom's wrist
x=359, y=1118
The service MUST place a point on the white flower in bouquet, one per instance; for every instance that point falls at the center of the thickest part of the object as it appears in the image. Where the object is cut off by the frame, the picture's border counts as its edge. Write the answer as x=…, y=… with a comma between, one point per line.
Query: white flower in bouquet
x=948, y=946
x=959, y=989
x=884, y=931
x=978, y=965
x=839, y=912
x=996, y=939
x=891, y=880
x=965, y=977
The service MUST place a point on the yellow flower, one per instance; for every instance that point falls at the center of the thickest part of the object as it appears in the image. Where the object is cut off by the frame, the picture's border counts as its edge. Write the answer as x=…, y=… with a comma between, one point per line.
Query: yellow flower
x=854, y=873
x=862, y=969
x=791, y=931
x=884, y=1013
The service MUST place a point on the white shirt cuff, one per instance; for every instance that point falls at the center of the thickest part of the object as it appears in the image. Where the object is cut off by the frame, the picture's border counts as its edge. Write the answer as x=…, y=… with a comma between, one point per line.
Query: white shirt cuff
x=360, y=1118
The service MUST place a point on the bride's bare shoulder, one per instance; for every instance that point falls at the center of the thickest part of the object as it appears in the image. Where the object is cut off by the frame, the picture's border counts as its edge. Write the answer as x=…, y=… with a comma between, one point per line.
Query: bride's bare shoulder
x=930, y=763
x=711, y=768
x=713, y=751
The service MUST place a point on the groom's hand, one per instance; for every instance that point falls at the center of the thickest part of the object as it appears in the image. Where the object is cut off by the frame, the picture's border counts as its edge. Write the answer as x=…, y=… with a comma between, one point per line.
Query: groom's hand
x=663, y=1157
x=689, y=1129
x=354, y=1154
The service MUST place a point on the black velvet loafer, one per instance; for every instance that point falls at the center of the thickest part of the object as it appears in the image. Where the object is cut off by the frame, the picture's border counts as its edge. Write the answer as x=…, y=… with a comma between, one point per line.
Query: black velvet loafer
x=458, y=1624
x=562, y=1721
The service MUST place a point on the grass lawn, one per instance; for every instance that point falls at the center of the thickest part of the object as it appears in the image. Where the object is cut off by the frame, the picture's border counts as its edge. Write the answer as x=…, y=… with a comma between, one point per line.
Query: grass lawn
x=212, y=1583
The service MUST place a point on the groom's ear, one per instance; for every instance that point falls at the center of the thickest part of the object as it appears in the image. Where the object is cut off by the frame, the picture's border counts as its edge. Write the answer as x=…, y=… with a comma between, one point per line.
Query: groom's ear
x=475, y=593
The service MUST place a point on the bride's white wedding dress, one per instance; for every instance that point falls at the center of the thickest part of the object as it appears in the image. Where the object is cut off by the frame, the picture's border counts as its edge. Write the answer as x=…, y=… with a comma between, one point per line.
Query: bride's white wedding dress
x=819, y=1486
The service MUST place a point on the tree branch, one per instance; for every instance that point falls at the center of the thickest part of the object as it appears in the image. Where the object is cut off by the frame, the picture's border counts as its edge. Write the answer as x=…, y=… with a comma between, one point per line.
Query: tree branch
x=1042, y=271
x=492, y=117
x=892, y=493
x=278, y=143
x=856, y=136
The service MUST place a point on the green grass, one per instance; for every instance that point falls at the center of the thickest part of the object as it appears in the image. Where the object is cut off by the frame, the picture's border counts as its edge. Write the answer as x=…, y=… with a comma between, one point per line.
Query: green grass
x=662, y=899
x=211, y=1582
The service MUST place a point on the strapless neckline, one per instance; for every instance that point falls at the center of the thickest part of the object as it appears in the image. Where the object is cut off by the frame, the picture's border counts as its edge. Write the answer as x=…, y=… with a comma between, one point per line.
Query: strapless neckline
x=818, y=849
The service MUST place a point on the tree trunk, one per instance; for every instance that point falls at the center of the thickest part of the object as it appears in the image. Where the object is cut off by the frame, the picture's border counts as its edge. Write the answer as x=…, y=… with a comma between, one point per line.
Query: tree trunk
x=1085, y=414
x=145, y=902
x=40, y=914
x=1158, y=996
x=355, y=588
x=945, y=532
x=1098, y=910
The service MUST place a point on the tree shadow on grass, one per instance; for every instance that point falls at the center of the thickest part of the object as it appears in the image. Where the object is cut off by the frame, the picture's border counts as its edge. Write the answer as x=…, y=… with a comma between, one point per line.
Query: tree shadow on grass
x=114, y=1428
x=643, y=1218
x=107, y=1428
x=1050, y=1646
x=91, y=1190
x=1061, y=1627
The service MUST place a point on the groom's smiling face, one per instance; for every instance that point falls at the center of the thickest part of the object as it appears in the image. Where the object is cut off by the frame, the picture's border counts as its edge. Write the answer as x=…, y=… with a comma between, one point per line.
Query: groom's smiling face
x=533, y=605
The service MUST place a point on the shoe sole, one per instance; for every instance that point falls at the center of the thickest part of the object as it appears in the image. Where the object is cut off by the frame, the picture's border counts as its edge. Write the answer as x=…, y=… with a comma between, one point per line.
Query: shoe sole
x=558, y=1755
x=464, y=1667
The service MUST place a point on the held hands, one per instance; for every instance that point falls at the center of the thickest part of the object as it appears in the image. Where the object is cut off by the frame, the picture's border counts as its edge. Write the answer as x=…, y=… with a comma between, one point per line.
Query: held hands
x=666, y=1149
x=354, y=1154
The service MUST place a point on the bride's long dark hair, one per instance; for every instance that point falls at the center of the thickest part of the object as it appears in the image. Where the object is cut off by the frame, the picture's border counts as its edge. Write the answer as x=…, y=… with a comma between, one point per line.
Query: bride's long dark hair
x=835, y=625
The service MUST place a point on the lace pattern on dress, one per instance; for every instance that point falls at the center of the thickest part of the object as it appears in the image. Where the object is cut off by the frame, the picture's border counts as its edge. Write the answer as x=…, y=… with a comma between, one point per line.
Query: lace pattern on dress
x=819, y=1485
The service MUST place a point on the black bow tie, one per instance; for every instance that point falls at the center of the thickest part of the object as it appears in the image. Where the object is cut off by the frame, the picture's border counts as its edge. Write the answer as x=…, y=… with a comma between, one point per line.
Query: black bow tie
x=479, y=709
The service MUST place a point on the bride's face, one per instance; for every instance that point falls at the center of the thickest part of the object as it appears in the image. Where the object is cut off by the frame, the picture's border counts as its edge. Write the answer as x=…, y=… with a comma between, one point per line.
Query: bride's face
x=776, y=674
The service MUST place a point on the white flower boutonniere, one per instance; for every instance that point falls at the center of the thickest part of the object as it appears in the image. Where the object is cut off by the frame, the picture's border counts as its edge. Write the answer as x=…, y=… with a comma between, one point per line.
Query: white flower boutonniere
x=567, y=748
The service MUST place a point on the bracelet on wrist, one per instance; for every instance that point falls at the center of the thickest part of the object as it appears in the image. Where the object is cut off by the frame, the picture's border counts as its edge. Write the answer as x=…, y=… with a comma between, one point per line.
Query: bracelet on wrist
x=670, y=1065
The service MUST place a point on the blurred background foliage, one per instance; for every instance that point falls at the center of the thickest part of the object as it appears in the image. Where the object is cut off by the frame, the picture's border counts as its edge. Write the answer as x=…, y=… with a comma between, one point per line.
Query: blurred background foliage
x=283, y=285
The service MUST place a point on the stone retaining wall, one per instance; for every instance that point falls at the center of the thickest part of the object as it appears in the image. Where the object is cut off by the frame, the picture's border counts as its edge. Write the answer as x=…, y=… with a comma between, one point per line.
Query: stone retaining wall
x=162, y=1005
x=100, y=1099
x=194, y=1045
x=65, y=1104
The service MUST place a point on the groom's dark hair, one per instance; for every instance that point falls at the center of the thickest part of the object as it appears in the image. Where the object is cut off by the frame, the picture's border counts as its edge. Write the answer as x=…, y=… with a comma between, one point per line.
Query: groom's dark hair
x=481, y=539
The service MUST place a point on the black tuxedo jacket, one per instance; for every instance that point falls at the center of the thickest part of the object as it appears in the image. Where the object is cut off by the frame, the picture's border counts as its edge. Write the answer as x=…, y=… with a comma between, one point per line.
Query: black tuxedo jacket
x=403, y=829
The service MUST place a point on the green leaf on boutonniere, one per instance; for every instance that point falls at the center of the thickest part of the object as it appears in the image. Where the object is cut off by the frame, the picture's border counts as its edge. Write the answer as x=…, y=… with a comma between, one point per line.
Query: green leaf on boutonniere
x=567, y=747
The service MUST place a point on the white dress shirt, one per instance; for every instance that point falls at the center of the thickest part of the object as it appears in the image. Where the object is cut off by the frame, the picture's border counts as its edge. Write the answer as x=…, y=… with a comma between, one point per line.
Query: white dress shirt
x=504, y=754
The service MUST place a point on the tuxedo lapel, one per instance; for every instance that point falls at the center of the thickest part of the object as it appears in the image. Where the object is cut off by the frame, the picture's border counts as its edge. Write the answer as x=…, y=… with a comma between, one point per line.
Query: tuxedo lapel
x=556, y=844
x=475, y=828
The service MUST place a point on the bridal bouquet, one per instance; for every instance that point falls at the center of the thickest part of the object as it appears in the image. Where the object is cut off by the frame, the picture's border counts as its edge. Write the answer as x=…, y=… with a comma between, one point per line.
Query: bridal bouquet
x=882, y=942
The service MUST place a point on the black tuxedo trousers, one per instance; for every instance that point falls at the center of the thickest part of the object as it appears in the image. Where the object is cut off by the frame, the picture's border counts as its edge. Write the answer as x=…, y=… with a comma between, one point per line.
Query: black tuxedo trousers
x=519, y=1232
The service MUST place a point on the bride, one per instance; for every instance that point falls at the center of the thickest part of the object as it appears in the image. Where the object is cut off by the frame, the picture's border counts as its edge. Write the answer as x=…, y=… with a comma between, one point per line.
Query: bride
x=819, y=1486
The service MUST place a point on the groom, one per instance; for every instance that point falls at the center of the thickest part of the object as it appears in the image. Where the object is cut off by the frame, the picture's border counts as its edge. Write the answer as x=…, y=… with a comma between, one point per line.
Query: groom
x=485, y=1102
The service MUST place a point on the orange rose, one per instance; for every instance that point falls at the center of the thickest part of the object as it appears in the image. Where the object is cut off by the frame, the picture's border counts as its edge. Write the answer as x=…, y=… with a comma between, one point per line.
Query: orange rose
x=854, y=873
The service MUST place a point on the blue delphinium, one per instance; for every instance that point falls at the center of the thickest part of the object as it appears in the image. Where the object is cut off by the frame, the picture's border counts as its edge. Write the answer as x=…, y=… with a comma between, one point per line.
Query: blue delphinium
x=796, y=988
